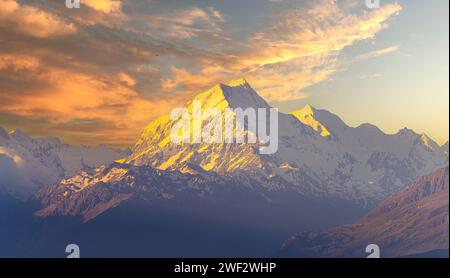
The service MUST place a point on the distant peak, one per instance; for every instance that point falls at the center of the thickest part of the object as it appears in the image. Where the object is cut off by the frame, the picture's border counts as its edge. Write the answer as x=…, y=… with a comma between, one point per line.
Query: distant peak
x=370, y=127
x=406, y=131
x=426, y=140
x=306, y=116
x=240, y=82
x=19, y=135
x=424, y=136
x=308, y=109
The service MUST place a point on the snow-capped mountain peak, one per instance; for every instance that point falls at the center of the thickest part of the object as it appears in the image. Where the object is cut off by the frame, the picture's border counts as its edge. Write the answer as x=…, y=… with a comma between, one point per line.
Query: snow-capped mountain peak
x=156, y=147
x=406, y=132
x=240, y=82
x=422, y=139
x=27, y=163
x=426, y=141
x=317, y=154
x=233, y=94
x=306, y=116
x=19, y=136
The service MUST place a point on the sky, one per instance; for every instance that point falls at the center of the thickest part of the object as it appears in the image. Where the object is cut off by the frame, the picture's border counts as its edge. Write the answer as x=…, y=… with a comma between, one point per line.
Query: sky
x=99, y=74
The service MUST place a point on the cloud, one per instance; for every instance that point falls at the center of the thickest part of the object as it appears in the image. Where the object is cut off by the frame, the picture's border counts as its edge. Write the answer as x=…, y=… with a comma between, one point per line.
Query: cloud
x=17, y=63
x=100, y=74
x=32, y=21
x=378, y=53
x=186, y=23
x=370, y=76
x=286, y=81
x=216, y=14
x=66, y=98
x=301, y=48
x=100, y=85
x=127, y=79
x=13, y=177
x=106, y=6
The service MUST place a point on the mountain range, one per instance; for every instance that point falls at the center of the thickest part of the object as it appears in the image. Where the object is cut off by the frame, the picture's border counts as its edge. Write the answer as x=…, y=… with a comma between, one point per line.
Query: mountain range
x=27, y=164
x=207, y=199
x=412, y=221
x=318, y=156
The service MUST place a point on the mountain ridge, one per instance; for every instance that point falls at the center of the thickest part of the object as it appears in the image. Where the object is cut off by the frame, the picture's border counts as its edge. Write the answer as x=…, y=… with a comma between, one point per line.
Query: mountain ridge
x=412, y=221
x=29, y=164
x=360, y=165
x=221, y=187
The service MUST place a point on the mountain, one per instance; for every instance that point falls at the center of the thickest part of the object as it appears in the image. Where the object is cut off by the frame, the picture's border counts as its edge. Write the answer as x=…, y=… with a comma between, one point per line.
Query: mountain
x=155, y=147
x=218, y=194
x=192, y=200
x=306, y=116
x=388, y=160
x=412, y=221
x=203, y=214
x=360, y=165
x=201, y=199
x=27, y=164
x=298, y=145
x=318, y=154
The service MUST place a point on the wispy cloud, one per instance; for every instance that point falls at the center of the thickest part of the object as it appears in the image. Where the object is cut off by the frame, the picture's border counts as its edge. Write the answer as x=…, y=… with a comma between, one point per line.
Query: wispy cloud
x=378, y=53
x=114, y=65
x=32, y=21
x=180, y=24
x=301, y=48
x=371, y=76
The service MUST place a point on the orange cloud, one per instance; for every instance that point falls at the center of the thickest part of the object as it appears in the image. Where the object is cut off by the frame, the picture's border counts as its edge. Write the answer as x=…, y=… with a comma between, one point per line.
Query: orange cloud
x=18, y=62
x=127, y=79
x=32, y=21
x=299, y=50
x=74, y=96
x=302, y=49
x=185, y=23
x=190, y=81
x=106, y=81
x=106, y=6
